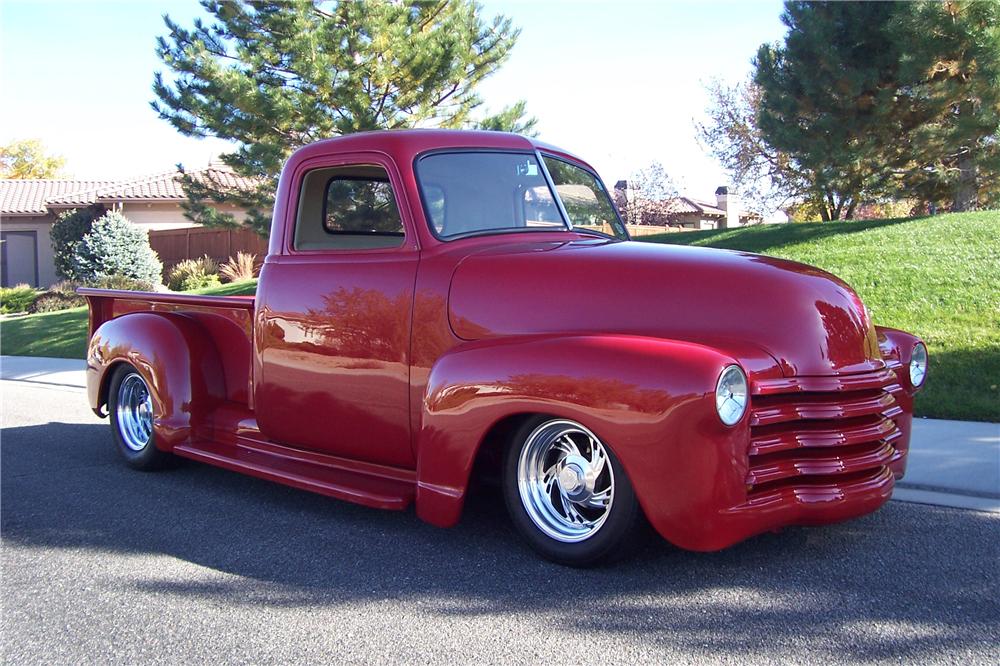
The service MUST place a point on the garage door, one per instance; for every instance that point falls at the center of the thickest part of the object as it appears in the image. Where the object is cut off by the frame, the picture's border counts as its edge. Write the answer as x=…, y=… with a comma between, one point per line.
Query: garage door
x=19, y=258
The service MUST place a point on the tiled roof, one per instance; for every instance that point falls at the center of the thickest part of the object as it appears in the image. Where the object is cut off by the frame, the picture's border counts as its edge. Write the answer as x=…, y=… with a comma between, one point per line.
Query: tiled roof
x=29, y=197
x=21, y=197
x=158, y=187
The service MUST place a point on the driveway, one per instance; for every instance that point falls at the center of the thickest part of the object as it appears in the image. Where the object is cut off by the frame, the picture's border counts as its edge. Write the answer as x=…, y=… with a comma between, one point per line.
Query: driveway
x=101, y=563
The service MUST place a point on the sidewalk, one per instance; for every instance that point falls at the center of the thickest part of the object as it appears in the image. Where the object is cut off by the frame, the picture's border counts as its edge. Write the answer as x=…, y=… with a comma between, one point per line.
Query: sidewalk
x=65, y=372
x=951, y=463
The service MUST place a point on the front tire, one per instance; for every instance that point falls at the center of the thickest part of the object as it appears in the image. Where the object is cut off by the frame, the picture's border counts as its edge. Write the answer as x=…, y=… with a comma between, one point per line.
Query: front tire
x=568, y=495
x=131, y=408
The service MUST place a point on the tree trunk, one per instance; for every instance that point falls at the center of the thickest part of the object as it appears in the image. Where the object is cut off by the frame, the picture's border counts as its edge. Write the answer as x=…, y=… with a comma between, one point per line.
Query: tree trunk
x=849, y=215
x=966, y=191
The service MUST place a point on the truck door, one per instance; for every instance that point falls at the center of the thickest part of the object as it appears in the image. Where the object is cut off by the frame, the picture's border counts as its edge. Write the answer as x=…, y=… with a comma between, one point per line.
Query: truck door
x=333, y=318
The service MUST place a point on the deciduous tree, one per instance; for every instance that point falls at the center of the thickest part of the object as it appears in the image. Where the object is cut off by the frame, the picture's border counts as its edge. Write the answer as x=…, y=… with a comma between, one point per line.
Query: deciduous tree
x=765, y=177
x=27, y=158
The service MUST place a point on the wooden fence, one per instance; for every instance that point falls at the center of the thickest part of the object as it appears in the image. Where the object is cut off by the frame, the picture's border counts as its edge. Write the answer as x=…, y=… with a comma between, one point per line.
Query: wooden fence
x=176, y=245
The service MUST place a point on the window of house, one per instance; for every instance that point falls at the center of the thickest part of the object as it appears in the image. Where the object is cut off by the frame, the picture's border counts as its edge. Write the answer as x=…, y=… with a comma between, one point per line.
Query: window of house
x=347, y=208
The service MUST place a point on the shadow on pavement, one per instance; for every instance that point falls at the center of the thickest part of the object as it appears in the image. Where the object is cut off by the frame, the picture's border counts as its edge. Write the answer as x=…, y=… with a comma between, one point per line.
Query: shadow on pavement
x=885, y=586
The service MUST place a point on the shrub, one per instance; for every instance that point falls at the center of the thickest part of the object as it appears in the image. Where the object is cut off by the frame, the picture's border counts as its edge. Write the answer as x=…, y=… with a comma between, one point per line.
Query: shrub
x=53, y=301
x=124, y=283
x=66, y=234
x=116, y=247
x=193, y=274
x=65, y=288
x=17, y=299
x=241, y=268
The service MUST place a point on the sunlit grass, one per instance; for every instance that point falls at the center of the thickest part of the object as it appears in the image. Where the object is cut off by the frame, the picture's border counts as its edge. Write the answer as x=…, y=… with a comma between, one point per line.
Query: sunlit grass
x=936, y=277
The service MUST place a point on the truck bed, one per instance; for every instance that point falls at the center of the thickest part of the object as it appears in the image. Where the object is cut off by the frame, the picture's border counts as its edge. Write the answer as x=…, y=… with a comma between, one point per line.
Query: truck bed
x=227, y=320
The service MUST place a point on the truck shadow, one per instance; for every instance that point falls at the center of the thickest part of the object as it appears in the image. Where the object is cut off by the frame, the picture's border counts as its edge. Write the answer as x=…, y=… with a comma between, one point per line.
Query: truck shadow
x=63, y=487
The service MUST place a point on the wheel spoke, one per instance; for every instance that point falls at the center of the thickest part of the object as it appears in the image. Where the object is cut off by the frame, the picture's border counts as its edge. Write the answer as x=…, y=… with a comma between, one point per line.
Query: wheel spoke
x=567, y=444
x=600, y=500
x=574, y=514
x=597, y=456
x=568, y=511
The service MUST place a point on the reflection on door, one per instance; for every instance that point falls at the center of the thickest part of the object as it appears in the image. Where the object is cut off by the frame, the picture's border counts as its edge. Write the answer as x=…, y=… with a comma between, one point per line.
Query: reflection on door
x=19, y=258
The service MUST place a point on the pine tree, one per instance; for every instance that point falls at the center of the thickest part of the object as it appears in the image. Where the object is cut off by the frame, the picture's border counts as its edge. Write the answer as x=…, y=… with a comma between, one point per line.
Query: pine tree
x=272, y=76
x=827, y=95
x=880, y=100
x=953, y=58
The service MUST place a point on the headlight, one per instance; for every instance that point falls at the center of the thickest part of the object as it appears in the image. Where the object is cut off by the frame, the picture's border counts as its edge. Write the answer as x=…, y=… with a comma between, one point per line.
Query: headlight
x=918, y=365
x=731, y=395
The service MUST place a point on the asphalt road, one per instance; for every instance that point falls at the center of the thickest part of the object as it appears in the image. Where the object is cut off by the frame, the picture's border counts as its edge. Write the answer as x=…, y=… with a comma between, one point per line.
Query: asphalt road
x=104, y=564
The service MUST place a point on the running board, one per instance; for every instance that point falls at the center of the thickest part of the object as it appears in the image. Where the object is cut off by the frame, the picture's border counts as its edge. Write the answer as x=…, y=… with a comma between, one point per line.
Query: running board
x=306, y=471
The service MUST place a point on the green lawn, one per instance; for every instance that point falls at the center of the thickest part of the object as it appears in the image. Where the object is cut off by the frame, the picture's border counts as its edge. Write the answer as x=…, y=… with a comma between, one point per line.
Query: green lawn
x=63, y=334
x=935, y=277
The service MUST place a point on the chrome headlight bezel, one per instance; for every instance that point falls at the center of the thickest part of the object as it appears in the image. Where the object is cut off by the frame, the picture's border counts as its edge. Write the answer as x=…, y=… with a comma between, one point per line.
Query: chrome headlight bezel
x=918, y=365
x=732, y=395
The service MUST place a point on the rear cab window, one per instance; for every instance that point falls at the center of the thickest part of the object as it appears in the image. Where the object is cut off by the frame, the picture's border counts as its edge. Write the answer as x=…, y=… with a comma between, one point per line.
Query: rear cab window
x=347, y=208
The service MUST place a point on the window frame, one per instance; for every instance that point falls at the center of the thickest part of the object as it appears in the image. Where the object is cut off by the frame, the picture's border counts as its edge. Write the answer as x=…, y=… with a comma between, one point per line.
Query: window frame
x=346, y=160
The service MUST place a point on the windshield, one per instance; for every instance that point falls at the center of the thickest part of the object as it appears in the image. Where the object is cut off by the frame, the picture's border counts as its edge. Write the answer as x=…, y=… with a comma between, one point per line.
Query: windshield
x=492, y=192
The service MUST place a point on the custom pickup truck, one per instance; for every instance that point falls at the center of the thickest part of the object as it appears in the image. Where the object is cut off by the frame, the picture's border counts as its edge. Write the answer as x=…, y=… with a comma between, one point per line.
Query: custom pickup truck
x=435, y=302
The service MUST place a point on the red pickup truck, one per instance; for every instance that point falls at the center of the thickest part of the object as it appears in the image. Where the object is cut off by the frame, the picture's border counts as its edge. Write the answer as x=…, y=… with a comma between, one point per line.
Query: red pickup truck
x=438, y=301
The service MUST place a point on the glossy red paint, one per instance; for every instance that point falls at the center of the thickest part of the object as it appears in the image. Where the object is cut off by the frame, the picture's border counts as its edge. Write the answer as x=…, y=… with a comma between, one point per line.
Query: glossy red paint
x=375, y=375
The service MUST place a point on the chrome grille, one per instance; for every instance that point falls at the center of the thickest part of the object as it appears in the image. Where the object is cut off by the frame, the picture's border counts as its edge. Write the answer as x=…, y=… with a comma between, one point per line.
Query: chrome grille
x=809, y=431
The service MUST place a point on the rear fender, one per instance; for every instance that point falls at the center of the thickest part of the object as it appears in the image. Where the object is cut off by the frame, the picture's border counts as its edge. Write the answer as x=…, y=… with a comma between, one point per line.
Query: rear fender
x=175, y=356
x=650, y=400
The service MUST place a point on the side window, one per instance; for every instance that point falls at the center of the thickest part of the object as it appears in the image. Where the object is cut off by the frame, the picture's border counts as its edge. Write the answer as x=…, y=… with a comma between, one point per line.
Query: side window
x=347, y=208
x=584, y=198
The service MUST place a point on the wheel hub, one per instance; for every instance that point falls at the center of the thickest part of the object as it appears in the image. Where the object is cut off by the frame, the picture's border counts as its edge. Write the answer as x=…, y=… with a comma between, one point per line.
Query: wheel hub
x=577, y=478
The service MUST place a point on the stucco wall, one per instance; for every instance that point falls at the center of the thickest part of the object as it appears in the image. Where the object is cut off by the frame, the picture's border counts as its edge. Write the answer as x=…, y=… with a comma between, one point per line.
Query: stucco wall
x=159, y=216
x=41, y=226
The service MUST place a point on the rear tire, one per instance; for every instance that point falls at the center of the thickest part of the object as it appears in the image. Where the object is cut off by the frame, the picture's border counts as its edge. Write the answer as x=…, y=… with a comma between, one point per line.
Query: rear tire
x=131, y=409
x=568, y=495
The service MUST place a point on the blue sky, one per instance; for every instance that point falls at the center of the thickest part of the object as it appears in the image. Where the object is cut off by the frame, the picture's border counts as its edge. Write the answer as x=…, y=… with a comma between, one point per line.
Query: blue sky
x=619, y=83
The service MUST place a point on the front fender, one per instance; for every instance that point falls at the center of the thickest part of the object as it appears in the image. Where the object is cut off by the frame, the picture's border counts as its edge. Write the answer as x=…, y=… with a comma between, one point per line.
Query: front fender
x=650, y=400
x=175, y=356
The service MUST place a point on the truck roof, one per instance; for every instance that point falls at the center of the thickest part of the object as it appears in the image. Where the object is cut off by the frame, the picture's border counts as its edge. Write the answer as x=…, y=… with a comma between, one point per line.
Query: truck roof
x=404, y=145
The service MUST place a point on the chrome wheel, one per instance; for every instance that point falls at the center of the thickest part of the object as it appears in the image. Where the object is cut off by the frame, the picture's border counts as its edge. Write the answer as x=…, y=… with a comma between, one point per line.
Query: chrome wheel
x=135, y=412
x=565, y=480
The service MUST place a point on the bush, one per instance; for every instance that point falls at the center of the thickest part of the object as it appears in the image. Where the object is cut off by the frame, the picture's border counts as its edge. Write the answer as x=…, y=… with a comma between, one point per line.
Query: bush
x=53, y=301
x=65, y=288
x=124, y=283
x=116, y=247
x=66, y=234
x=193, y=274
x=17, y=299
x=241, y=268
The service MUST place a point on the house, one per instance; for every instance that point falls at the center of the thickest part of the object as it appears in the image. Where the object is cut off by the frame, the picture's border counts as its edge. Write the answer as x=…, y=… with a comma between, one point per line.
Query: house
x=690, y=213
x=28, y=208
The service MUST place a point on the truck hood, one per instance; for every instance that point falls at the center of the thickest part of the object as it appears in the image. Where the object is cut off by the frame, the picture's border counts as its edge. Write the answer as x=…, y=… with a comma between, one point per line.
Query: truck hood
x=807, y=321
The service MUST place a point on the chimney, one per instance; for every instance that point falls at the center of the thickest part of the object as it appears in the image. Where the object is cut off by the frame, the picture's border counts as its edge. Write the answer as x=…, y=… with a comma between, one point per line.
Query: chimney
x=729, y=202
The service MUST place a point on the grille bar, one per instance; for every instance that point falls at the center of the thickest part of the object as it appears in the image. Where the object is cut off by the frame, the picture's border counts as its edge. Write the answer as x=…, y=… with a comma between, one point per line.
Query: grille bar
x=810, y=430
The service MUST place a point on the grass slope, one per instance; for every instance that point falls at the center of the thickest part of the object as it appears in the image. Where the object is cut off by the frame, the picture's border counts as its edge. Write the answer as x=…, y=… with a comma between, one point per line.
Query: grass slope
x=63, y=334
x=935, y=277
